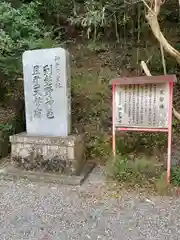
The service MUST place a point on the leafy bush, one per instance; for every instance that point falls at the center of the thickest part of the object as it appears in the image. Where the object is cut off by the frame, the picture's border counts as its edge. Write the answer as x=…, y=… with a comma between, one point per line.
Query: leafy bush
x=6, y=127
x=20, y=29
x=107, y=18
x=94, y=18
x=91, y=114
x=175, y=175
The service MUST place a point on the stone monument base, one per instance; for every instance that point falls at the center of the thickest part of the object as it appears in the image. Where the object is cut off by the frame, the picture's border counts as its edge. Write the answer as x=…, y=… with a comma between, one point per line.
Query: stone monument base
x=10, y=172
x=48, y=154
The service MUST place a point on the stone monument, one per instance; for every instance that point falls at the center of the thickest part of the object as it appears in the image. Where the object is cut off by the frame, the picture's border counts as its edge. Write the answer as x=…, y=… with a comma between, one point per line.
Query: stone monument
x=47, y=143
x=47, y=92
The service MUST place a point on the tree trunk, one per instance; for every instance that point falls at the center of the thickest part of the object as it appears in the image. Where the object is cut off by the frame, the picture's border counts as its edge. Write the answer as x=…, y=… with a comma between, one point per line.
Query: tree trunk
x=152, y=18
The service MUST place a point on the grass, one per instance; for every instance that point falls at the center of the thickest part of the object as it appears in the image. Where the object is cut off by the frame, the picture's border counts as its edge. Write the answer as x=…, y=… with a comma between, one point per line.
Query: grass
x=91, y=113
x=175, y=176
x=138, y=171
x=143, y=174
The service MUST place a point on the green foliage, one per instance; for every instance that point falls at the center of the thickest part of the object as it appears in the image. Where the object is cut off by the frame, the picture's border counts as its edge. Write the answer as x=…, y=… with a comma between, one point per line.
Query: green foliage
x=54, y=8
x=95, y=18
x=92, y=19
x=5, y=131
x=91, y=113
x=175, y=176
x=20, y=29
x=6, y=127
x=170, y=12
x=149, y=143
x=99, y=18
x=138, y=172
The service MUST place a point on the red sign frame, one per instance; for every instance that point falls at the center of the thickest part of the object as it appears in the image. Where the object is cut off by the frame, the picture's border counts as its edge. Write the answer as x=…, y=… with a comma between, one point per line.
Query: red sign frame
x=171, y=79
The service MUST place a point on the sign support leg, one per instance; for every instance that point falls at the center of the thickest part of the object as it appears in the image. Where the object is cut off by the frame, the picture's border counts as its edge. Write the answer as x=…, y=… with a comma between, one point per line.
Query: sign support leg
x=169, y=133
x=113, y=120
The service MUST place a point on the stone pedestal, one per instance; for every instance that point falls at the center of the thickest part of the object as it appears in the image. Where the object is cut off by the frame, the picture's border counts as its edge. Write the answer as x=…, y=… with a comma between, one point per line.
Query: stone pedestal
x=48, y=154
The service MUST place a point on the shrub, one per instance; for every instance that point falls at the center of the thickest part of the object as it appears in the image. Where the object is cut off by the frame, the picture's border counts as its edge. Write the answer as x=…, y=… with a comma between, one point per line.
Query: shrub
x=138, y=171
x=20, y=29
x=175, y=176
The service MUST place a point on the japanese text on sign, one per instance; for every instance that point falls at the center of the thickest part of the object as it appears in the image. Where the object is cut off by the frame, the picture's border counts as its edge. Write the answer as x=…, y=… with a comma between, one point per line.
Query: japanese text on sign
x=142, y=105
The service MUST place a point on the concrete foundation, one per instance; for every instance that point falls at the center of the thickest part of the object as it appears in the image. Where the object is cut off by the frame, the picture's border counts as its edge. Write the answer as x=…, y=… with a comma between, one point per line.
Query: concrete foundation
x=49, y=154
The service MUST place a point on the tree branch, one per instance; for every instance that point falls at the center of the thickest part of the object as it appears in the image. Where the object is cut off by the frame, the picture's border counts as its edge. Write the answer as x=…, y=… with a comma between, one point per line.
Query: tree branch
x=148, y=73
x=152, y=18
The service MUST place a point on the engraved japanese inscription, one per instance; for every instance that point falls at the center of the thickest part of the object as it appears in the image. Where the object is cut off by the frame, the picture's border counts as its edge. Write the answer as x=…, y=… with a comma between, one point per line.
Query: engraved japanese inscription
x=48, y=89
x=37, y=96
x=47, y=92
x=143, y=106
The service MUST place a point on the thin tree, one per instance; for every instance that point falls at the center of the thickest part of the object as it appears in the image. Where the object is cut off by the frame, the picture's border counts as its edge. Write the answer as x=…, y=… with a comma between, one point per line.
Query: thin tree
x=153, y=11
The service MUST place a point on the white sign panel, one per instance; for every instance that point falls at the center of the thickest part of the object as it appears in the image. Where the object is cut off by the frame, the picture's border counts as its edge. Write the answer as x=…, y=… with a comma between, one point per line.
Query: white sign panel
x=144, y=106
x=47, y=92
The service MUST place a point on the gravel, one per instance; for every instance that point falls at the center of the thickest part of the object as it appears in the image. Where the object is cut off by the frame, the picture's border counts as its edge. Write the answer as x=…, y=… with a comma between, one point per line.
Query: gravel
x=40, y=211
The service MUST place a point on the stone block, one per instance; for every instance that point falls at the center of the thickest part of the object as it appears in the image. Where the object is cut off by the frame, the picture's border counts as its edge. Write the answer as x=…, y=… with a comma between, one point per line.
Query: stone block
x=49, y=154
x=47, y=92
